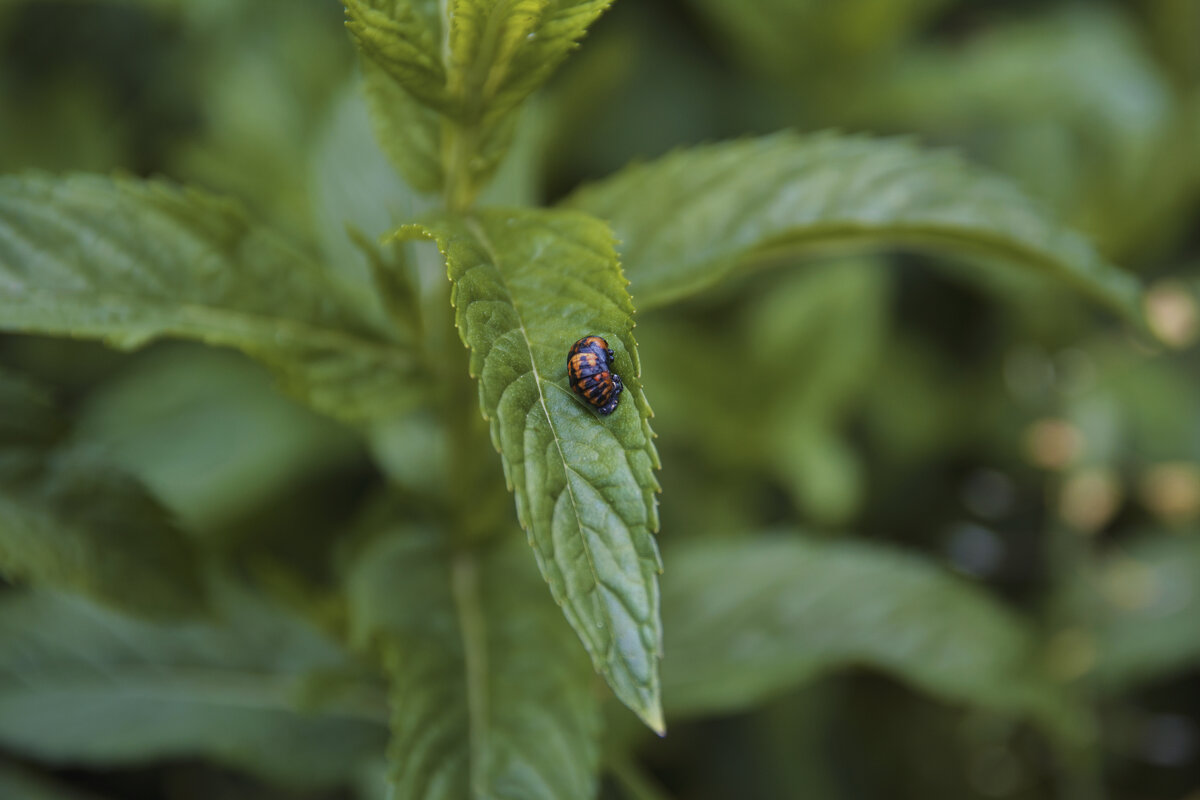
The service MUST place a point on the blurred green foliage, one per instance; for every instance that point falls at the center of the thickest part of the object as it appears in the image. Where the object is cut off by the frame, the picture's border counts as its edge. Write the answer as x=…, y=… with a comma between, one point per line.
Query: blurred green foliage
x=930, y=518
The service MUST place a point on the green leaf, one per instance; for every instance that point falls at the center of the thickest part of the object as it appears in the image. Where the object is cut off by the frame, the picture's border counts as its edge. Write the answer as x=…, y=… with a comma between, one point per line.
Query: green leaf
x=69, y=520
x=1148, y=607
x=404, y=37
x=747, y=619
x=496, y=53
x=210, y=435
x=789, y=38
x=691, y=218
x=409, y=133
x=127, y=261
x=353, y=188
x=1070, y=103
x=27, y=412
x=491, y=695
x=27, y=785
x=80, y=685
x=527, y=285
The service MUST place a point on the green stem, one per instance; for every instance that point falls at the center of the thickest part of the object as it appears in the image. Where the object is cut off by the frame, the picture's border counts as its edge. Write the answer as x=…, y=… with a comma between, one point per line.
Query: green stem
x=459, y=143
x=465, y=585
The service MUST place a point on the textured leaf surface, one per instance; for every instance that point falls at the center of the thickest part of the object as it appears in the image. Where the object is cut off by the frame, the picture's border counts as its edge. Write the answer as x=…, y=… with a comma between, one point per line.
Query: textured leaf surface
x=747, y=619
x=79, y=685
x=687, y=220
x=404, y=37
x=527, y=285
x=70, y=520
x=503, y=50
x=127, y=261
x=491, y=695
x=498, y=51
x=473, y=61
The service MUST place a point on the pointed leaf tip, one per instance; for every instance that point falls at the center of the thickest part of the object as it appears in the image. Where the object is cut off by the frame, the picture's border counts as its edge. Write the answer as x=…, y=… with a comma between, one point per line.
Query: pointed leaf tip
x=528, y=284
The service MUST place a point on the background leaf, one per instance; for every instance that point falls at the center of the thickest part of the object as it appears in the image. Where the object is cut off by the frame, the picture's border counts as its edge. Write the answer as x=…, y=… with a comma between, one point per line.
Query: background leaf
x=491, y=695
x=1149, y=601
x=689, y=219
x=748, y=619
x=80, y=685
x=27, y=785
x=353, y=188
x=69, y=519
x=1090, y=125
x=212, y=437
x=27, y=412
x=127, y=261
x=527, y=285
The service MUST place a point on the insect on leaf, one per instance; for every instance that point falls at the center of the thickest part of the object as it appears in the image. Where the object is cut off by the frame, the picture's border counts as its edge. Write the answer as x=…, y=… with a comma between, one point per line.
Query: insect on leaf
x=527, y=285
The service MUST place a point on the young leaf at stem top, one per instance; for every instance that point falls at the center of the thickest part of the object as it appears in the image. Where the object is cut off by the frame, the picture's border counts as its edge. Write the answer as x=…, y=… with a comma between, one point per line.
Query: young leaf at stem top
x=473, y=66
x=689, y=219
x=527, y=285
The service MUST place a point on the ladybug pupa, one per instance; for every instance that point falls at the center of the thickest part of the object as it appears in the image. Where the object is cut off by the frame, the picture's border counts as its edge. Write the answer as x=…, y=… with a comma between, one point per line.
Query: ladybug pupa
x=589, y=371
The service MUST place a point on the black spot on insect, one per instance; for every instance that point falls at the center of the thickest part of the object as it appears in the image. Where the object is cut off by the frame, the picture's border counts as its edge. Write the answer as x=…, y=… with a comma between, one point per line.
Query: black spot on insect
x=589, y=371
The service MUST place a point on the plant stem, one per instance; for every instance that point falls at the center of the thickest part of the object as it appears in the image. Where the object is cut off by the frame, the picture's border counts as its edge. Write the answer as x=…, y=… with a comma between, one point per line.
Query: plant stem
x=459, y=143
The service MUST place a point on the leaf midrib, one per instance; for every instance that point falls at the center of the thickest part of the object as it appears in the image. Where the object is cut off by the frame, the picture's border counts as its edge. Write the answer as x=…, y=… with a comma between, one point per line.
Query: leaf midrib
x=477, y=229
x=923, y=235
x=269, y=326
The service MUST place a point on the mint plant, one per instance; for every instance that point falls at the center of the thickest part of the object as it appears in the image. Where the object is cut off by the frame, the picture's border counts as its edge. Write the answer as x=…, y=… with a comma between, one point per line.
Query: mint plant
x=481, y=650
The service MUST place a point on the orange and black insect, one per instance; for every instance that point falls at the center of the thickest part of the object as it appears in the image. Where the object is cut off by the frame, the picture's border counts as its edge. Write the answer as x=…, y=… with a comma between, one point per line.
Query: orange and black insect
x=589, y=371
